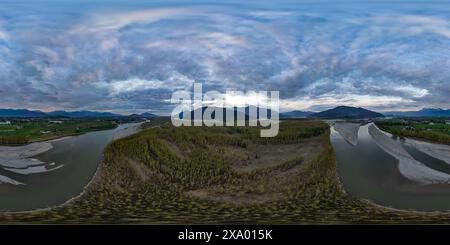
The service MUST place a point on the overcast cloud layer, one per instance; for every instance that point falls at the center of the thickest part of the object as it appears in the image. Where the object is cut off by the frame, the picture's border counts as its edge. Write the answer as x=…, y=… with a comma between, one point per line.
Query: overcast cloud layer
x=131, y=57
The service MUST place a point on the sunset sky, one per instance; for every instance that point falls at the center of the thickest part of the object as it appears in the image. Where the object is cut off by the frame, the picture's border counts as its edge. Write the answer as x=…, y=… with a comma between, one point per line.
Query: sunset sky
x=129, y=56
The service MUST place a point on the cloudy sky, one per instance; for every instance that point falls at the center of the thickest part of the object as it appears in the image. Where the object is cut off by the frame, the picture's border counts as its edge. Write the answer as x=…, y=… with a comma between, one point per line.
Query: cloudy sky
x=129, y=56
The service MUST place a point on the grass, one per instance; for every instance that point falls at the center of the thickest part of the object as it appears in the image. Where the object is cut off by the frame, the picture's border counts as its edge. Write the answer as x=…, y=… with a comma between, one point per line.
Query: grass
x=23, y=132
x=146, y=179
x=432, y=130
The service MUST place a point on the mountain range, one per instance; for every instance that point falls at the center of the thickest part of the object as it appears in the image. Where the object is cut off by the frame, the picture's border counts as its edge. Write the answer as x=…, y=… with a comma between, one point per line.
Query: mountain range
x=346, y=112
x=24, y=113
x=296, y=114
x=426, y=112
x=337, y=112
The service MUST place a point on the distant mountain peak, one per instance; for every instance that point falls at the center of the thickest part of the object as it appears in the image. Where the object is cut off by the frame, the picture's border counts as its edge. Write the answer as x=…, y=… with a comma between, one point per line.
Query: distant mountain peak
x=23, y=113
x=347, y=112
x=295, y=114
x=148, y=114
x=432, y=109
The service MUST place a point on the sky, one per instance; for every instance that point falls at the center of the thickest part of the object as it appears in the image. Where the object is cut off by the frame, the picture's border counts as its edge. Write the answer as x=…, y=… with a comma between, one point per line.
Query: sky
x=130, y=56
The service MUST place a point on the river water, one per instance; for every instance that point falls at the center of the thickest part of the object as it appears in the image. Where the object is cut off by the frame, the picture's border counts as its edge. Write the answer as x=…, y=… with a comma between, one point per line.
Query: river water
x=368, y=172
x=75, y=160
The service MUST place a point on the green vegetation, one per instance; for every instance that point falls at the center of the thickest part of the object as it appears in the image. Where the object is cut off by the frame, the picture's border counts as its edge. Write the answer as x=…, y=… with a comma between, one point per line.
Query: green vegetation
x=193, y=175
x=436, y=130
x=26, y=131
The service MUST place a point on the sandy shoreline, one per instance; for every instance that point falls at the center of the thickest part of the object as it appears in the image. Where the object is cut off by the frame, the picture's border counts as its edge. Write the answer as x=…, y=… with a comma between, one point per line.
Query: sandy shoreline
x=133, y=129
x=348, y=131
x=408, y=166
x=20, y=156
x=6, y=180
x=441, y=152
x=19, y=159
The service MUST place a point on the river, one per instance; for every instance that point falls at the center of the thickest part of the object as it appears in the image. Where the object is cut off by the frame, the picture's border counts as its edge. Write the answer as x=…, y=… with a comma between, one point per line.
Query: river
x=72, y=163
x=369, y=172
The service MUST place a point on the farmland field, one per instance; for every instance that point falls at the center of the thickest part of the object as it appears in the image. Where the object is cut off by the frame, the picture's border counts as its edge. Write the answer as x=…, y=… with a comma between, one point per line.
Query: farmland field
x=433, y=130
x=23, y=132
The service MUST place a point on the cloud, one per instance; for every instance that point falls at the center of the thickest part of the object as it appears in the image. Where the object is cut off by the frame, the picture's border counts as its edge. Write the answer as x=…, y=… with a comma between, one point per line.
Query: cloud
x=413, y=91
x=131, y=85
x=416, y=24
x=330, y=100
x=117, y=87
x=3, y=36
x=271, y=15
x=123, y=58
x=115, y=21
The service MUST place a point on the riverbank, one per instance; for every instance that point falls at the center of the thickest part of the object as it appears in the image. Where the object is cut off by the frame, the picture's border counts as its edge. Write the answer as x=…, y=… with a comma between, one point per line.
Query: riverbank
x=22, y=132
x=77, y=160
x=21, y=160
x=431, y=130
x=122, y=131
x=349, y=131
x=6, y=180
x=408, y=166
x=20, y=157
x=438, y=151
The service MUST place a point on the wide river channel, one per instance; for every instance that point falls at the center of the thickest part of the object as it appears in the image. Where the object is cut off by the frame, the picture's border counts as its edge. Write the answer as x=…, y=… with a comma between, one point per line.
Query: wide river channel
x=75, y=161
x=369, y=172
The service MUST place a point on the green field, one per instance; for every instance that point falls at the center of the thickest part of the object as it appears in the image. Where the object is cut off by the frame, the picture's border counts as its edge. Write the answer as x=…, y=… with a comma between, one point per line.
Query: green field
x=435, y=130
x=25, y=131
x=199, y=175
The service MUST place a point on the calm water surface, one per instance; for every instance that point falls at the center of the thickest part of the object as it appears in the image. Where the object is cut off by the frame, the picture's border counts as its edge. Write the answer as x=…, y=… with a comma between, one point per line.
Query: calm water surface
x=368, y=172
x=79, y=157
